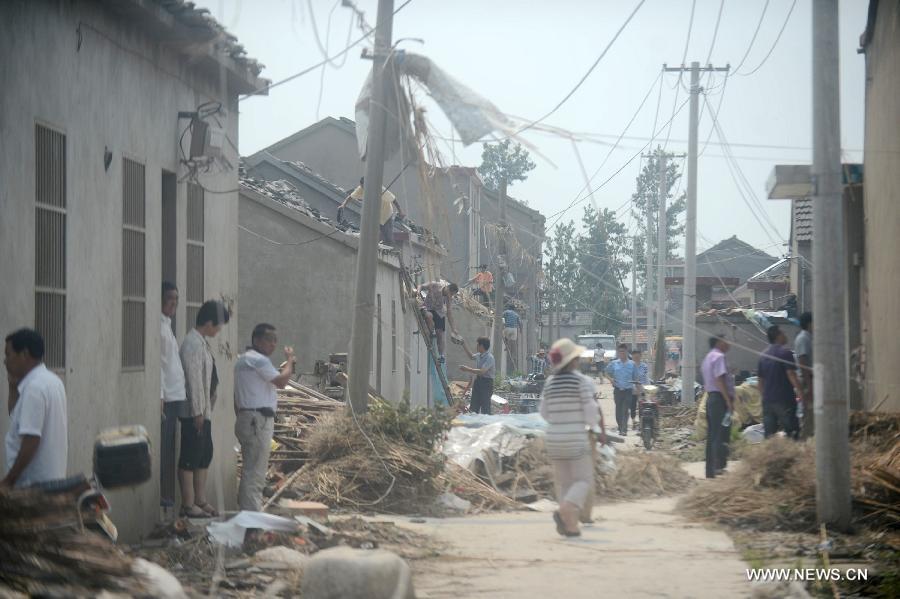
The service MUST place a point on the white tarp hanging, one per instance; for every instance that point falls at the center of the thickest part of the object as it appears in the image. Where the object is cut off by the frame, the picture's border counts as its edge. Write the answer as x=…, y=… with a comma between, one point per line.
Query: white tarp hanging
x=472, y=115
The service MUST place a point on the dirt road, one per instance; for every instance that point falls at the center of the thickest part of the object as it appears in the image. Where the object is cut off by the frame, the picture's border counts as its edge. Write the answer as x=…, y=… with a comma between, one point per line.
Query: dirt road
x=635, y=549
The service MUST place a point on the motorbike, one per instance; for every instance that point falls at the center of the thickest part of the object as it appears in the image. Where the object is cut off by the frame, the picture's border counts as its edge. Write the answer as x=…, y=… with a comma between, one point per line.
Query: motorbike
x=90, y=506
x=648, y=412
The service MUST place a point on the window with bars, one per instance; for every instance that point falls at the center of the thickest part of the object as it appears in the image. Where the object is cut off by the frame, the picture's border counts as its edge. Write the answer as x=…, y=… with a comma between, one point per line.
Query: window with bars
x=50, y=243
x=393, y=335
x=194, y=289
x=134, y=287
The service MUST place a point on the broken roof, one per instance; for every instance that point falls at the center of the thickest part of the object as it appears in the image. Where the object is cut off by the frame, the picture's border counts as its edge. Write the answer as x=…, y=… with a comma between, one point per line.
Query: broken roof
x=193, y=31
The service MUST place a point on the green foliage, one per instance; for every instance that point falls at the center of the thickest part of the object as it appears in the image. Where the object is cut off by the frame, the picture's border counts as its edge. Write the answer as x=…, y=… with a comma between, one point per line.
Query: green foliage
x=647, y=197
x=499, y=161
x=421, y=427
x=604, y=258
x=561, y=269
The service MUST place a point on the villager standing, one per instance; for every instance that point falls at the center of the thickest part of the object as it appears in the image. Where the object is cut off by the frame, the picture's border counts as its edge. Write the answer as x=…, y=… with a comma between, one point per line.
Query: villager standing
x=803, y=352
x=719, y=386
x=484, y=371
x=37, y=441
x=779, y=385
x=569, y=406
x=438, y=310
x=172, y=395
x=642, y=377
x=621, y=374
x=201, y=382
x=255, y=402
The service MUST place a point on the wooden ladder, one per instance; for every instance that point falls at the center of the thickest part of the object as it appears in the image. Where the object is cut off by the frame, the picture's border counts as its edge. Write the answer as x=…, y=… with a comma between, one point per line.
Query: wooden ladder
x=409, y=293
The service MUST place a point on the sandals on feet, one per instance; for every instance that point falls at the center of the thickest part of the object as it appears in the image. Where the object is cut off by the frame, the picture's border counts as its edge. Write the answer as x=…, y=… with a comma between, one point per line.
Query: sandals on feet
x=192, y=512
x=208, y=509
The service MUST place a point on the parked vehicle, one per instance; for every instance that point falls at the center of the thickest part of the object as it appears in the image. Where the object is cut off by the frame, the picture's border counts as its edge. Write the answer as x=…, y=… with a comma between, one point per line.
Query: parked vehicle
x=648, y=412
x=590, y=341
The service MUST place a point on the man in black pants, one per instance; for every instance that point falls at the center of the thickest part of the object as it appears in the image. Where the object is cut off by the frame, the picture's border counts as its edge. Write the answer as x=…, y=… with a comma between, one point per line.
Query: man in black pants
x=719, y=386
x=780, y=386
x=621, y=374
x=484, y=372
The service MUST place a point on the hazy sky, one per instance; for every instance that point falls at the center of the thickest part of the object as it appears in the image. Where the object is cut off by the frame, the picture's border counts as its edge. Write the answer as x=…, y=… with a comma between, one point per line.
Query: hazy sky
x=526, y=56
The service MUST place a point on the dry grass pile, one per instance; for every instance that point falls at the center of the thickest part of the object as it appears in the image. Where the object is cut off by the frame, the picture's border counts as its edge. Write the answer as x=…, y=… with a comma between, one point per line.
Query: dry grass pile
x=678, y=416
x=637, y=474
x=42, y=552
x=773, y=488
x=345, y=470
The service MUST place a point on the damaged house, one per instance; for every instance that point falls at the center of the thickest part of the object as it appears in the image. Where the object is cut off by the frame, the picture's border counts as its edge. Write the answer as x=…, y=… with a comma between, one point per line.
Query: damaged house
x=100, y=206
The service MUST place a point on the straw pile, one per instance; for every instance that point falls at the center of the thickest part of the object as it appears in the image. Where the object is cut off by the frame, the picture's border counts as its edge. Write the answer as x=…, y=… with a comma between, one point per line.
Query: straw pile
x=43, y=554
x=345, y=470
x=774, y=486
x=636, y=475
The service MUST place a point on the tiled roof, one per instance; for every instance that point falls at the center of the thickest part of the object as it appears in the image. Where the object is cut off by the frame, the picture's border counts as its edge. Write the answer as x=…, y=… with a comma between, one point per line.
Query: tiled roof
x=732, y=258
x=199, y=19
x=803, y=220
x=779, y=271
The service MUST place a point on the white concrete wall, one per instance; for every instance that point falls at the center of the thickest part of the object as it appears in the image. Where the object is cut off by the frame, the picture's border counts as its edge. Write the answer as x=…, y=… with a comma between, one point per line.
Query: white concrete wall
x=123, y=91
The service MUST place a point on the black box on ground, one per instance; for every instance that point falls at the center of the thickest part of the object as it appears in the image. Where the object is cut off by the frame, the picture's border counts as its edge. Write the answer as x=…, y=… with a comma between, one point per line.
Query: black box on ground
x=122, y=457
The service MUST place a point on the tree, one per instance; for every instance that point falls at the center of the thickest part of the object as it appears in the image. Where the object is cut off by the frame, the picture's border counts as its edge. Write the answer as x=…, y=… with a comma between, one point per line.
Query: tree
x=561, y=278
x=647, y=194
x=499, y=161
x=604, y=258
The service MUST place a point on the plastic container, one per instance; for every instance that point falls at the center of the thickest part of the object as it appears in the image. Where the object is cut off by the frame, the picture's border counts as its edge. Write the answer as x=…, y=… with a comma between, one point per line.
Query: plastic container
x=122, y=457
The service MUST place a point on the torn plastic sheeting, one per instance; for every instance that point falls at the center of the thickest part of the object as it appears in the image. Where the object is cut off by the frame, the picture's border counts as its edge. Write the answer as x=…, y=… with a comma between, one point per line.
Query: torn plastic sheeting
x=231, y=532
x=465, y=445
x=532, y=423
x=472, y=115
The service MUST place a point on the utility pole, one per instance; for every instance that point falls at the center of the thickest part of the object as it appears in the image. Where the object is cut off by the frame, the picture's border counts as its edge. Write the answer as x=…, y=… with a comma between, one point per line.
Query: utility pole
x=634, y=253
x=830, y=277
x=661, y=252
x=500, y=283
x=689, y=320
x=648, y=279
x=367, y=255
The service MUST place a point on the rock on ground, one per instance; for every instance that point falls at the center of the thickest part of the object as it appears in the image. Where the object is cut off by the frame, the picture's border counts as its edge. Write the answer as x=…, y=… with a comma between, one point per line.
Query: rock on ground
x=345, y=573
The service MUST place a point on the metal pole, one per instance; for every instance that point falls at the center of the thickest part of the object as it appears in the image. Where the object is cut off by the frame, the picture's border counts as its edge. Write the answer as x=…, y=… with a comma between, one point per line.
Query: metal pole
x=634, y=294
x=367, y=255
x=689, y=335
x=648, y=278
x=500, y=283
x=661, y=249
x=829, y=277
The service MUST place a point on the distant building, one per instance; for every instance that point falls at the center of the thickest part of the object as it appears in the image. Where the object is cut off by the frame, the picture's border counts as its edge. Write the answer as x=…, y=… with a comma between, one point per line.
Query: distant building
x=452, y=202
x=97, y=211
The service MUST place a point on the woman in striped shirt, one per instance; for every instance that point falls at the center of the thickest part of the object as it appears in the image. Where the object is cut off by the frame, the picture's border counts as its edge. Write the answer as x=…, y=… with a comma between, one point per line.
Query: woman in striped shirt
x=568, y=404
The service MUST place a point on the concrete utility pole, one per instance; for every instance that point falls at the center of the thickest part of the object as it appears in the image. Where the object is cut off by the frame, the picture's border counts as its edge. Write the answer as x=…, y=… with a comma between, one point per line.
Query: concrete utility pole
x=648, y=279
x=500, y=284
x=634, y=294
x=830, y=277
x=367, y=255
x=689, y=320
x=661, y=247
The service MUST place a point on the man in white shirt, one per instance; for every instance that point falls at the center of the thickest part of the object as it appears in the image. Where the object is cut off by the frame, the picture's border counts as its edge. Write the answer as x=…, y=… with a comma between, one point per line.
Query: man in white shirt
x=255, y=381
x=172, y=395
x=37, y=441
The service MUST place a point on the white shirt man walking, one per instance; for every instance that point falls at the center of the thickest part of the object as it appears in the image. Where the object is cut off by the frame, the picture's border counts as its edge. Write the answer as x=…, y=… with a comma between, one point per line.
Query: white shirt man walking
x=37, y=441
x=255, y=402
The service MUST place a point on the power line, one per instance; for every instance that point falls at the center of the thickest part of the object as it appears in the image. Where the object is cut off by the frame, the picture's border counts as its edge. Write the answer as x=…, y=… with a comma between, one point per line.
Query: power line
x=318, y=64
x=753, y=39
x=589, y=71
x=775, y=43
x=715, y=32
